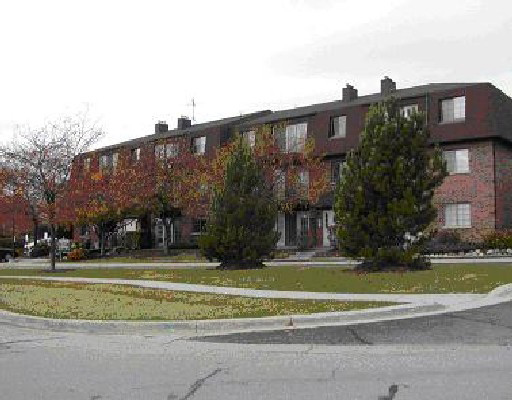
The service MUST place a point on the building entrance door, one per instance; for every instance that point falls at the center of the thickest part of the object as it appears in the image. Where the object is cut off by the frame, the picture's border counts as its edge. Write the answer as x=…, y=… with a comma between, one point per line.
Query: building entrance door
x=290, y=229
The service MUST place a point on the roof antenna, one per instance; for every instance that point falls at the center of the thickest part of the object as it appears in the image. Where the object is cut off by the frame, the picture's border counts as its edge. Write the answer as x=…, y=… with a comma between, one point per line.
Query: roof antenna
x=193, y=104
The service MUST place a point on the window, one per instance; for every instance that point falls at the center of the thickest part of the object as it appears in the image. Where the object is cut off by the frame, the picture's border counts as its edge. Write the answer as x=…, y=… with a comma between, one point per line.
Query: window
x=280, y=184
x=453, y=109
x=108, y=162
x=115, y=157
x=338, y=128
x=249, y=137
x=87, y=164
x=457, y=161
x=336, y=171
x=295, y=137
x=171, y=150
x=199, y=145
x=408, y=111
x=457, y=215
x=135, y=153
x=84, y=230
x=291, y=139
x=303, y=183
x=160, y=151
x=198, y=225
x=104, y=162
x=203, y=188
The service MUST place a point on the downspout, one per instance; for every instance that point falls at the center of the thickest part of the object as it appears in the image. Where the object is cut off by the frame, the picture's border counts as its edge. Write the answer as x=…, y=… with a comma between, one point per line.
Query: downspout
x=495, y=186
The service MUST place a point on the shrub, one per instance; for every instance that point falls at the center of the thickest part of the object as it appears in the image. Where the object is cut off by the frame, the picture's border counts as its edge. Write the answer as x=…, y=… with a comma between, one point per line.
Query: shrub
x=447, y=237
x=132, y=240
x=40, y=250
x=499, y=240
x=77, y=254
x=447, y=241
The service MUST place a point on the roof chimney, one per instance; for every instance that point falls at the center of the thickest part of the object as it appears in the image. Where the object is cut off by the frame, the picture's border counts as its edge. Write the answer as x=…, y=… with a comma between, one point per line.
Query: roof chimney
x=387, y=86
x=161, y=127
x=349, y=93
x=184, y=123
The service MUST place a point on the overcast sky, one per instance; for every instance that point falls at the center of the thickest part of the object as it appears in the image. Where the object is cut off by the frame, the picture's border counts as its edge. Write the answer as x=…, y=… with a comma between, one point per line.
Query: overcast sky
x=136, y=62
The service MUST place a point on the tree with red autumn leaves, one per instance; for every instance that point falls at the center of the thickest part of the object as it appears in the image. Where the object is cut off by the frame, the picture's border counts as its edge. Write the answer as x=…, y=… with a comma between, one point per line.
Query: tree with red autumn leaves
x=165, y=178
x=41, y=161
x=15, y=219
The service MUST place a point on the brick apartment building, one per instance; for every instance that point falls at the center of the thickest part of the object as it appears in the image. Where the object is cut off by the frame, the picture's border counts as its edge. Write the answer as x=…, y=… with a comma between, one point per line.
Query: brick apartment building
x=471, y=122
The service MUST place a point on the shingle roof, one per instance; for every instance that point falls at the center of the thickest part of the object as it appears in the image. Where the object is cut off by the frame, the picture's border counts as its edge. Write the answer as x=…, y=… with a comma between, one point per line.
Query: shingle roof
x=194, y=128
x=267, y=116
x=414, y=91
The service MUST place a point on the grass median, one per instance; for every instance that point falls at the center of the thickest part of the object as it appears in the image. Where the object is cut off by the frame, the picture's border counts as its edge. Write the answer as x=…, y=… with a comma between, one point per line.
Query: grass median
x=462, y=278
x=68, y=300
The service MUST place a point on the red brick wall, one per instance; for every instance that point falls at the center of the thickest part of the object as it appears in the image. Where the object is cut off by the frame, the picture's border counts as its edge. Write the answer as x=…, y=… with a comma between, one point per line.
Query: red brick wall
x=475, y=187
x=503, y=159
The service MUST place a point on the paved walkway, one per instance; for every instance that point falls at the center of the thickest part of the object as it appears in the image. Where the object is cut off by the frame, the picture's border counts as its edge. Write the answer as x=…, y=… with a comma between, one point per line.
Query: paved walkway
x=416, y=305
x=340, y=262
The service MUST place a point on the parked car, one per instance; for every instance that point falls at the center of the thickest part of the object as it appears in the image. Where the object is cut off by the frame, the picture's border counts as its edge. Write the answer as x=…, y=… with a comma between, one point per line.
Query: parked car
x=5, y=255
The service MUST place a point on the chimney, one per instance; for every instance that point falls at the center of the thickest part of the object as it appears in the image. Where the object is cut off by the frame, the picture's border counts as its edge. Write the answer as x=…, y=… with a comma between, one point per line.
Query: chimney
x=161, y=127
x=387, y=86
x=184, y=123
x=349, y=93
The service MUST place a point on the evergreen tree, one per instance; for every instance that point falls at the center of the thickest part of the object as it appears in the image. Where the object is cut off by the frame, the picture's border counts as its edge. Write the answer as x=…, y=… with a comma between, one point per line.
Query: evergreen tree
x=240, y=228
x=383, y=203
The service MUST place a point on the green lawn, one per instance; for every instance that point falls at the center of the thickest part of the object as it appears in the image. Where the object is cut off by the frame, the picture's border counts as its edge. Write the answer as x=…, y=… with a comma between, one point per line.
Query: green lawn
x=121, y=302
x=469, y=278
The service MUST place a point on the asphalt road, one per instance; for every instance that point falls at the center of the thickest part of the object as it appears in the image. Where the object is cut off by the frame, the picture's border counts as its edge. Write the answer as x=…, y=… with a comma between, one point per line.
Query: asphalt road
x=490, y=325
x=462, y=356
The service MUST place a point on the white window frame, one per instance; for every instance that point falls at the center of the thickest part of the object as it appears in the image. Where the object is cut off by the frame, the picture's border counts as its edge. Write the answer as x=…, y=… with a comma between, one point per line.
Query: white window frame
x=136, y=154
x=108, y=161
x=453, y=109
x=457, y=215
x=103, y=162
x=115, y=158
x=409, y=110
x=160, y=151
x=249, y=137
x=280, y=184
x=457, y=161
x=171, y=150
x=87, y=164
x=339, y=165
x=338, y=127
x=199, y=145
x=295, y=137
x=304, y=182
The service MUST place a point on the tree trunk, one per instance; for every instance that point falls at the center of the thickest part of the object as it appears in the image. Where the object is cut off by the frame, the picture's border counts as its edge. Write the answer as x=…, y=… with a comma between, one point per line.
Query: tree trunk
x=34, y=231
x=102, y=240
x=53, y=247
x=166, y=236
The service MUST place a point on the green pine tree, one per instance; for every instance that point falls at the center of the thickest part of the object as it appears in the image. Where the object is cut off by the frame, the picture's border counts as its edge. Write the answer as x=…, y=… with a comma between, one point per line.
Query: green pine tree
x=240, y=229
x=383, y=203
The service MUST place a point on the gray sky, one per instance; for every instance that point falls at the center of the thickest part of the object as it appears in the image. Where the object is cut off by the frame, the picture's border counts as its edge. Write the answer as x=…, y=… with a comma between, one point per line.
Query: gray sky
x=136, y=62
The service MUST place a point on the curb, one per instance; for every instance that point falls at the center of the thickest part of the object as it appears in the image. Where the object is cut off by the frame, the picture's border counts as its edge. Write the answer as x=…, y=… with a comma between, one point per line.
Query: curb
x=226, y=326
x=218, y=326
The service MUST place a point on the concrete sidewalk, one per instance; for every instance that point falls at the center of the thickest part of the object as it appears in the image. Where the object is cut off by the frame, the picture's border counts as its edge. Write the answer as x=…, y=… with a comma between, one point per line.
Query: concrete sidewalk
x=417, y=305
x=42, y=264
